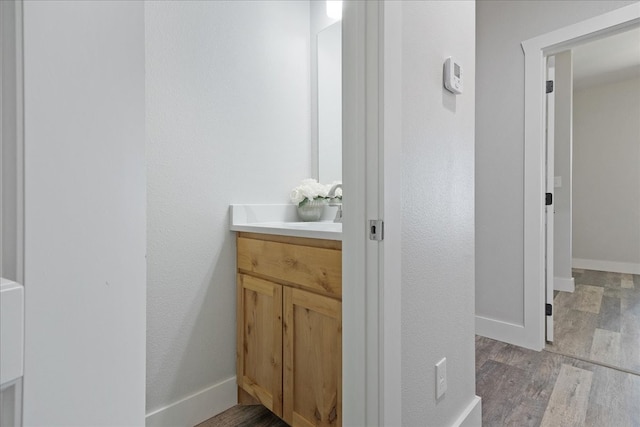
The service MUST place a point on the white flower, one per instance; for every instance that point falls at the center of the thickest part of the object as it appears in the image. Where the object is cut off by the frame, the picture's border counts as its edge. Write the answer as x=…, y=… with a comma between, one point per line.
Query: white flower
x=309, y=189
x=309, y=192
x=296, y=196
x=323, y=190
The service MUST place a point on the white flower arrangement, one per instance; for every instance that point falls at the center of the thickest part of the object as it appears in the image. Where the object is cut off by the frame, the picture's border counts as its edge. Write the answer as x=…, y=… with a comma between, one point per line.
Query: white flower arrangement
x=310, y=189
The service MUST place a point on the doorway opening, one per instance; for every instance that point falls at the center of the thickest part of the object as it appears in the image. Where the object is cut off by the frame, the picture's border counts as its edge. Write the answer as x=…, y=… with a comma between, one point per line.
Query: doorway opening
x=595, y=182
x=537, y=50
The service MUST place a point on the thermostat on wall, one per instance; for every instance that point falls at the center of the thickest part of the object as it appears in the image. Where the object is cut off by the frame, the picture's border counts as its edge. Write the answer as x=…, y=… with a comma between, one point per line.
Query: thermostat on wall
x=452, y=76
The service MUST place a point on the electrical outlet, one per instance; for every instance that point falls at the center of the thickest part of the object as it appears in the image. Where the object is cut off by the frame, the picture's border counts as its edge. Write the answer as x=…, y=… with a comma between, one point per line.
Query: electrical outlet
x=441, y=378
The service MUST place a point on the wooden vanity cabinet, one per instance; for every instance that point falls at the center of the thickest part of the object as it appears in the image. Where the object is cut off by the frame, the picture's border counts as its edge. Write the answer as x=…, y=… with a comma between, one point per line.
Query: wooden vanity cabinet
x=289, y=342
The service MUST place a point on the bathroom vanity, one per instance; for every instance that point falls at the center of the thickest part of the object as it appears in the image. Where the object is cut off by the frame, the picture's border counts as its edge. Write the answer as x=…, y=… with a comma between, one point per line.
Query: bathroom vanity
x=289, y=323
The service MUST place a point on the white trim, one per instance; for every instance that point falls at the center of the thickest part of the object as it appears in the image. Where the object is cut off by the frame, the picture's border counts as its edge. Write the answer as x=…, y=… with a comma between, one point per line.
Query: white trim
x=564, y=284
x=391, y=300
x=472, y=415
x=372, y=168
x=197, y=407
x=535, y=50
x=361, y=168
x=371, y=330
x=601, y=265
x=354, y=387
x=503, y=331
x=534, y=228
x=20, y=141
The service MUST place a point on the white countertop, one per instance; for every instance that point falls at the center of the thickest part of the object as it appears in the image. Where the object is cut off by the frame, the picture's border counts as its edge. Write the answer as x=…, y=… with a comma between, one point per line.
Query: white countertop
x=282, y=220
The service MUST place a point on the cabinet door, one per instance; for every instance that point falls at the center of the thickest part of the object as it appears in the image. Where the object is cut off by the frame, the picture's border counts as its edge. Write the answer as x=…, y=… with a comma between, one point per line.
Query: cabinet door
x=259, y=341
x=313, y=359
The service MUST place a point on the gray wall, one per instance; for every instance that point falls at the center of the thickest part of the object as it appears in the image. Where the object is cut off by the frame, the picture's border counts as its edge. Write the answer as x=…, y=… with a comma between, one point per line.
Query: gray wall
x=501, y=27
x=437, y=211
x=606, y=216
x=563, y=89
x=228, y=114
x=9, y=157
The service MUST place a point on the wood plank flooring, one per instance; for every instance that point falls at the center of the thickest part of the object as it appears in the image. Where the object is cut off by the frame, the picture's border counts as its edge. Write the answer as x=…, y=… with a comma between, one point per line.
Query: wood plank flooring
x=600, y=320
x=245, y=416
x=521, y=387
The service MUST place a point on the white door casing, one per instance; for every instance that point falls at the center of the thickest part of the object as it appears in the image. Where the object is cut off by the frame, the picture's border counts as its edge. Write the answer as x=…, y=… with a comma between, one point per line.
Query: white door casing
x=360, y=381
x=371, y=301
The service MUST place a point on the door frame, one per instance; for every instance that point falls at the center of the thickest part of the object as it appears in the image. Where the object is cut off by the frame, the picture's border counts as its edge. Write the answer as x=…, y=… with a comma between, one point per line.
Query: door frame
x=549, y=189
x=535, y=51
x=371, y=361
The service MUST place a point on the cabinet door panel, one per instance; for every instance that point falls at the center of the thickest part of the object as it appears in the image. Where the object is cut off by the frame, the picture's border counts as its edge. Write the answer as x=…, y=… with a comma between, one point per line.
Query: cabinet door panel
x=313, y=359
x=259, y=341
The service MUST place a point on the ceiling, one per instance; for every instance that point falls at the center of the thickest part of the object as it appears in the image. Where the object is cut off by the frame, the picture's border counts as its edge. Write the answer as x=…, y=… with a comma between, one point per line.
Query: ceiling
x=606, y=60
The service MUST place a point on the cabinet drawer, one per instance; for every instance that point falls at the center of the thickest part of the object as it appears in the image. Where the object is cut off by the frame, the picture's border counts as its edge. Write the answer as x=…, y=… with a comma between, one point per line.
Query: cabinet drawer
x=314, y=268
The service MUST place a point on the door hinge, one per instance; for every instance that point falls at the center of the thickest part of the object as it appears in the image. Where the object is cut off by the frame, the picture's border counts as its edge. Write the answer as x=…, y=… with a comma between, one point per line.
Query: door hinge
x=376, y=229
x=549, y=86
x=548, y=199
x=548, y=309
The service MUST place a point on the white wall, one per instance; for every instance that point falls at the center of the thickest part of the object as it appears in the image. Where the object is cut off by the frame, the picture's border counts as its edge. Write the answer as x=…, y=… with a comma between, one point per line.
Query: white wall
x=563, y=89
x=228, y=121
x=501, y=27
x=437, y=212
x=606, y=216
x=85, y=223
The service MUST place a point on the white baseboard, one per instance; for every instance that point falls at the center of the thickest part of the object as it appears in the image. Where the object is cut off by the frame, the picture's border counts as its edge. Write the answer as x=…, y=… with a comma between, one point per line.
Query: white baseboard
x=564, y=284
x=472, y=415
x=510, y=333
x=196, y=408
x=612, y=266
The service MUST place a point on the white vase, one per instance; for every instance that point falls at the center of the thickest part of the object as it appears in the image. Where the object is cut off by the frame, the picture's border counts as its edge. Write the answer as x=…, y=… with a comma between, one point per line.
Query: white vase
x=312, y=210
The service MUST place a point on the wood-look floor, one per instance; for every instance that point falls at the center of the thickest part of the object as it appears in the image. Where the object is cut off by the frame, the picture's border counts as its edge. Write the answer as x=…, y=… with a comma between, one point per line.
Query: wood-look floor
x=600, y=320
x=245, y=416
x=521, y=387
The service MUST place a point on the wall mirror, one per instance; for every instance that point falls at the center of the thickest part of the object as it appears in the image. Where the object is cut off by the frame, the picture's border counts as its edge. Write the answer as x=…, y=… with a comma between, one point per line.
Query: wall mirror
x=330, y=103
